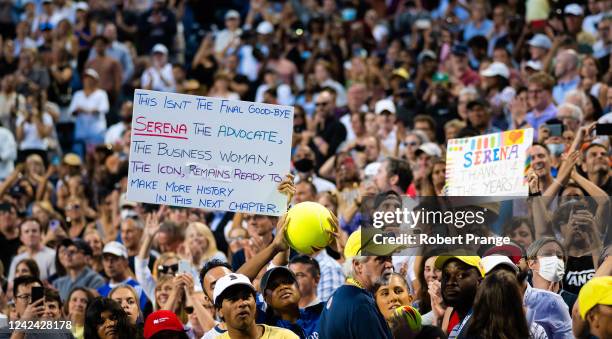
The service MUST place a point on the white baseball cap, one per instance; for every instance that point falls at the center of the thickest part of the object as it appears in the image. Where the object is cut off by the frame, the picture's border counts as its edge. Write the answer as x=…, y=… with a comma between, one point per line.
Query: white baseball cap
x=82, y=6
x=232, y=14
x=490, y=262
x=495, y=69
x=115, y=248
x=429, y=148
x=92, y=73
x=123, y=201
x=384, y=105
x=228, y=281
x=265, y=28
x=540, y=40
x=159, y=48
x=371, y=169
x=534, y=64
x=574, y=9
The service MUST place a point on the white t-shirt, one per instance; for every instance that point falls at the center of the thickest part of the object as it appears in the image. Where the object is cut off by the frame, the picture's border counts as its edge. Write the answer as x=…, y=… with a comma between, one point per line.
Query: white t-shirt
x=283, y=94
x=31, y=138
x=214, y=332
x=156, y=75
x=114, y=133
x=97, y=100
x=8, y=152
x=224, y=37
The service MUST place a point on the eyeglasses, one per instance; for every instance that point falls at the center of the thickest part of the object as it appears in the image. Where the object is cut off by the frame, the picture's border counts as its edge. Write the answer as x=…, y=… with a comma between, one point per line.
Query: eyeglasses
x=25, y=297
x=165, y=269
x=324, y=103
x=238, y=238
x=73, y=207
x=412, y=143
x=71, y=252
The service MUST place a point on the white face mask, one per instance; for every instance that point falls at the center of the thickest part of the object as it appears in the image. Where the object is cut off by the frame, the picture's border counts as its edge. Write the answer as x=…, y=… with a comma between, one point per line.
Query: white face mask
x=551, y=268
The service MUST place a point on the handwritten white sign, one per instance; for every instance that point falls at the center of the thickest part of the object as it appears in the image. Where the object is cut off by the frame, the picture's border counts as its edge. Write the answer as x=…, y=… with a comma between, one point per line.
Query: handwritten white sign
x=488, y=165
x=210, y=153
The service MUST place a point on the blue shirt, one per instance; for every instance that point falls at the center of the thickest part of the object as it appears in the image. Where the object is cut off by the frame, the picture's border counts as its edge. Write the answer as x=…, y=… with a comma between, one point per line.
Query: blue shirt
x=332, y=275
x=105, y=290
x=548, y=310
x=459, y=11
x=535, y=121
x=88, y=278
x=306, y=327
x=351, y=313
x=562, y=88
x=471, y=30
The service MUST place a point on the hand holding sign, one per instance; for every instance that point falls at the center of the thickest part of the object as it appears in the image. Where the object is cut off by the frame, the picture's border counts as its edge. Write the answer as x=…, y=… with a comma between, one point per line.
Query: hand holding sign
x=210, y=153
x=488, y=165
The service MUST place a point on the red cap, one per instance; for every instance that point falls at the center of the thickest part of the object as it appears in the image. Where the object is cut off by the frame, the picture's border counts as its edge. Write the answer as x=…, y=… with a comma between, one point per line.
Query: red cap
x=160, y=321
x=512, y=251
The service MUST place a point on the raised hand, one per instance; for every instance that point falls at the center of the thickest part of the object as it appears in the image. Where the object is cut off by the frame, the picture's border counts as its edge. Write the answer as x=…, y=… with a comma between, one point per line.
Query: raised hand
x=336, y=243
x=287, y=187
x=435, y=294
x=567, y=166
x=34, y=310
x=151, y=225
x=533, y=181
x=279, y=242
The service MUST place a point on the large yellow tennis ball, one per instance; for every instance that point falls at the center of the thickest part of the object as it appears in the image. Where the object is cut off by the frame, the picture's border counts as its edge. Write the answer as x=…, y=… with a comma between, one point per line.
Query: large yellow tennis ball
x=309, y=227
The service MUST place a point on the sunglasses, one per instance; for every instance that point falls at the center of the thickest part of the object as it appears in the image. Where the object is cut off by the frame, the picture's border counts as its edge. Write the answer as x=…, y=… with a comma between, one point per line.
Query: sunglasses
x=73, y=207
x=165, y=269
x=189, y=309
x=321, y=104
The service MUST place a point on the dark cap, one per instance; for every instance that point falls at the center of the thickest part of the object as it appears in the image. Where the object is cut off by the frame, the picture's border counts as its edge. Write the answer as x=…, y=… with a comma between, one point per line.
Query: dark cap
x=7, y=206
x=276, y=271
x=460, y=49
x=478, y=102
x=78, y=243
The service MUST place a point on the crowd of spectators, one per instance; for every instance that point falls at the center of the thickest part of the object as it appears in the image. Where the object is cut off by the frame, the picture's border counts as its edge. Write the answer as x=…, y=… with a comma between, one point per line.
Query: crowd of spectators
x=378, y=88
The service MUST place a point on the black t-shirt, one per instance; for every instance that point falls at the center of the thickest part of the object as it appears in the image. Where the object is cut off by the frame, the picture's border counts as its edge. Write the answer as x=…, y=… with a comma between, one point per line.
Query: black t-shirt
x=9, y=250
x=205, y=75
x=579, y=270
x=7, y=67
x=334, y=134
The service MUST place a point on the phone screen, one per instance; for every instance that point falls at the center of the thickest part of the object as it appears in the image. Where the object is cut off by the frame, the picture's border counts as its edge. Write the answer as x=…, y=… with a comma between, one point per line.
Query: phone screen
x=37, y=293
x=603, y=129
x=184, y=267
x=556, y=130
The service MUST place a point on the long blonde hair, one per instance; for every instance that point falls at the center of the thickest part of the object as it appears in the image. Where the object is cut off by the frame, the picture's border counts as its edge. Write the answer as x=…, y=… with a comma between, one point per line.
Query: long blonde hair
x=207, y=233
x=134, y=294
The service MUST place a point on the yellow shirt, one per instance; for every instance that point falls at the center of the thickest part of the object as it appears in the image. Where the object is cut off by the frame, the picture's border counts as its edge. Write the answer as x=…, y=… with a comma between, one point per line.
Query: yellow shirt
x=270, y=332
x=78, y=331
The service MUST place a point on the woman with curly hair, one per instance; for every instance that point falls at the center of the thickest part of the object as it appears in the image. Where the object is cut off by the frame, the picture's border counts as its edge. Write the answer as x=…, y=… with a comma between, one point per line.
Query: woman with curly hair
x=105, y=319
